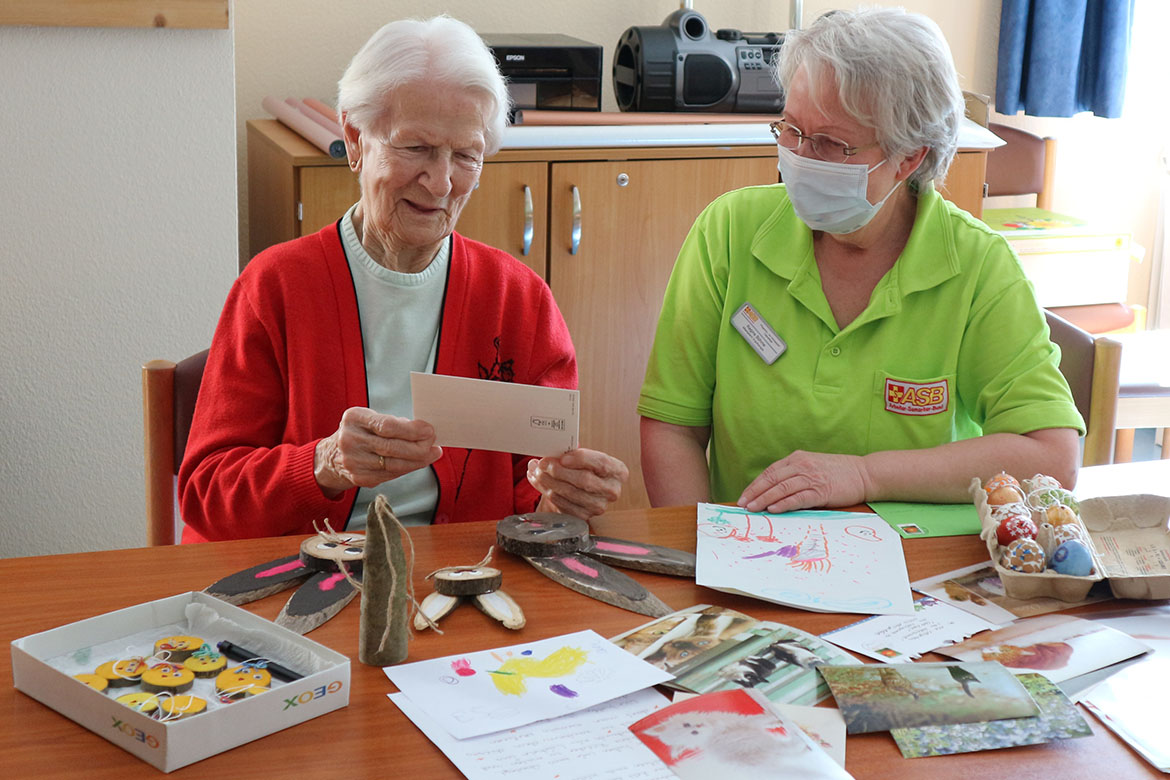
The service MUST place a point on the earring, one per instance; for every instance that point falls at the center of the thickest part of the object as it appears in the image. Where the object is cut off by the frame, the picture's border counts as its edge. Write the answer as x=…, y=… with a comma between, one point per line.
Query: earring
x=354, y=164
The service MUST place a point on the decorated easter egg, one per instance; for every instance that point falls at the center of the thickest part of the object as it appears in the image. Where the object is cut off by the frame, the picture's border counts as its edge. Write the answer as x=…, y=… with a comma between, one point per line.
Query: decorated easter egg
x=1014, y=527
x=1072, y=557
x=1045, y=482
x=1000, y=511
x=1004, y=494
x=1059, y=514
x=1063, y=533
x=1024, y=555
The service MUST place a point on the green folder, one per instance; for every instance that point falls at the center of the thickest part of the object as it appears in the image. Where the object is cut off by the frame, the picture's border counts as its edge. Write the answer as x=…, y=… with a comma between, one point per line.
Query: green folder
x=918, y=521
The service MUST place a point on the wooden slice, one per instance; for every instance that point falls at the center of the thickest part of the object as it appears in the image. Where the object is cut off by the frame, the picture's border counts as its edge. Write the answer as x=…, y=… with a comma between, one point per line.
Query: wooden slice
x=643, y=557
x=502, y=607
x=596, y=580
x=260, y=581
x=542, y=534
x=436, y=606
x=316, y=601
x=468, y=580
x=320, y=554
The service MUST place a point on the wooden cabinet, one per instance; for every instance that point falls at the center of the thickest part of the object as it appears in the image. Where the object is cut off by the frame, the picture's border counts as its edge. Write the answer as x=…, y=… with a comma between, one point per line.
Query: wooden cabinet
x=603, y=226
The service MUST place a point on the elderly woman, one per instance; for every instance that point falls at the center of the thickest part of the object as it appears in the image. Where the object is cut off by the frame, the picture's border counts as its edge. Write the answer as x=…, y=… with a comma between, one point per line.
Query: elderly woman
x=850, y=336
x=304, y=411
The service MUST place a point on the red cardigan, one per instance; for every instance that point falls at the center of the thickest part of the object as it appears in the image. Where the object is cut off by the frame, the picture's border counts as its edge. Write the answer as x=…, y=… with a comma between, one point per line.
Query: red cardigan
x=286, y=362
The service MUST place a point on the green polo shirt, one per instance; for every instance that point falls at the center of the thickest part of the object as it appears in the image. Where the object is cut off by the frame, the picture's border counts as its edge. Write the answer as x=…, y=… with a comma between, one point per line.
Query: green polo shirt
x=951, y=345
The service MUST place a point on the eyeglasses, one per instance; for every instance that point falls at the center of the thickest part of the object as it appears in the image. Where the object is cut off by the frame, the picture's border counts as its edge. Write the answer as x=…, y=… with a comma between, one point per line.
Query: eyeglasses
x=825, y=147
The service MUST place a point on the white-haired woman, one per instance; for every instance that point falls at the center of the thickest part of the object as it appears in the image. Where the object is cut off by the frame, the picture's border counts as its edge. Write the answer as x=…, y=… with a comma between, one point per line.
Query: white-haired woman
x=850, y=336
x=305, y=412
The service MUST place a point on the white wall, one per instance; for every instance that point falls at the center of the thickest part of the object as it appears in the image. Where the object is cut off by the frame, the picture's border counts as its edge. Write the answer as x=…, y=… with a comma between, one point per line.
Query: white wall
x=118, y=243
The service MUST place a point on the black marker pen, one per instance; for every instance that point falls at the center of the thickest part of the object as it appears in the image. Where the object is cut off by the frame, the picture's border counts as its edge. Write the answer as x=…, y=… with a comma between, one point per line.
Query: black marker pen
x=237, y=653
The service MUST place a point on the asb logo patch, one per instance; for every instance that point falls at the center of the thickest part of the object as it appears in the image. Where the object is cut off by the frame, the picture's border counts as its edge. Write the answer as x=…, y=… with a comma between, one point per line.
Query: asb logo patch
x=916, y=398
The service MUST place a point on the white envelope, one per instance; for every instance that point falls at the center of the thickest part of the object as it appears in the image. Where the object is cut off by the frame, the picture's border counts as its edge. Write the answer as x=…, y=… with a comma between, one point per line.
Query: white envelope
x=482, y=414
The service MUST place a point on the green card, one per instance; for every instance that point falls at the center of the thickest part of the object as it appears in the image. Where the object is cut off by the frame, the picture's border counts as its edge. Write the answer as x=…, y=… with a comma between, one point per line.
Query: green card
x=916, y=521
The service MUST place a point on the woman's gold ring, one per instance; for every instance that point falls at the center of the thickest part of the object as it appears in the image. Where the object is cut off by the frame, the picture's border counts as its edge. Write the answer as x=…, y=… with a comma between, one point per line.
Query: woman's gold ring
x=382, y=462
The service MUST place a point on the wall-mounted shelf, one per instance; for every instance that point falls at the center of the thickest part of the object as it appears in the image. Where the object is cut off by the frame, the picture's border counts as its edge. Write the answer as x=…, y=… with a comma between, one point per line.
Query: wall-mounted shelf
x=179, y=14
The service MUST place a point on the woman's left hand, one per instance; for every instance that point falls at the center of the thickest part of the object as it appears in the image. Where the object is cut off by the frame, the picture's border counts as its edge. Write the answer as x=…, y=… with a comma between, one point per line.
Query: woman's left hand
x=582, y=483
x=807, y=479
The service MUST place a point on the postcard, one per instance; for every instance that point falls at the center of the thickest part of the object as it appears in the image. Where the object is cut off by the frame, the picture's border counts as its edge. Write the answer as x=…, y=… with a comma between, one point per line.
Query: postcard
x=823, y=725
x=977, y=589
x=732, y=734
x=493, y=690
x=1058, y=719
x=1133, y=704
x=682, y=639
x=1149, y=625
x=899, y=639
x=779, y=661
x=824, y=561
x=482, y=414
x=593, y=744
x=880, y=697
x=1057, y=646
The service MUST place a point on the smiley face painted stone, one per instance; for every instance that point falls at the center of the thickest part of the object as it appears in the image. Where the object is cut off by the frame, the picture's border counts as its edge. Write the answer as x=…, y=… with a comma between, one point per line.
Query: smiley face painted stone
x=123, y=673
x=176, y=649
x=95, y=681
x=241, y=680
x=167, y=677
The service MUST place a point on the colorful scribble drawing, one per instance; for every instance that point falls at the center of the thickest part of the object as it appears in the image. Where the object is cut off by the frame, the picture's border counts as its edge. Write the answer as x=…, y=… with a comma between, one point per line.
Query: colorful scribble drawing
x=821, y=560
x=725, y=524
x=511, y=678
x=811, y=554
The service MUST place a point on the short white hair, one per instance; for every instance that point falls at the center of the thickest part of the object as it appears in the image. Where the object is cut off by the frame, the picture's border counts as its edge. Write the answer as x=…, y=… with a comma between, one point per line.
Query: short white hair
x=894, y=72
x=441, y=51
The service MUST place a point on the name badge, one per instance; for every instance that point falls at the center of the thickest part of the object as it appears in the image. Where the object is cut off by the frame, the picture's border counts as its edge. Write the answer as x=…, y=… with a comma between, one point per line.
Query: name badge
x=758, y=333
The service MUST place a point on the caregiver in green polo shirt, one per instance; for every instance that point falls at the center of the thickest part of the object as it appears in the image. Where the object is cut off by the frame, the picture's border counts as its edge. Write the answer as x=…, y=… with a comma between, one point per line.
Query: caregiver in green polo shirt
x=851, y=336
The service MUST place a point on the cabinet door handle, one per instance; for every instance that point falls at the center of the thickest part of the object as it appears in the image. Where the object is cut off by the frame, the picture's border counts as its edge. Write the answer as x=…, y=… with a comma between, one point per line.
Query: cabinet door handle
x=529, y=227
x=575, y=233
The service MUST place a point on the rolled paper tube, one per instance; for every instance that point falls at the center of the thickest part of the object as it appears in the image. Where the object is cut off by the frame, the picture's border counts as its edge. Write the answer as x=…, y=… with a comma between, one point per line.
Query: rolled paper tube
x=323, y=109
x=328, y=124
x=312, y=132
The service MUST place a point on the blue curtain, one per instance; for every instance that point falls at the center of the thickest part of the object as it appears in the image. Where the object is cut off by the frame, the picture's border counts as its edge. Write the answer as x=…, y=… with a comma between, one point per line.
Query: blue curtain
x=1061, y=57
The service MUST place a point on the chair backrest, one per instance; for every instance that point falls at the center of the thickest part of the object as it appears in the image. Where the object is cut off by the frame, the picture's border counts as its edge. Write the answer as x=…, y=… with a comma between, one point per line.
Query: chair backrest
x=169, y=391
x=1092, y=367
x=1024, y=165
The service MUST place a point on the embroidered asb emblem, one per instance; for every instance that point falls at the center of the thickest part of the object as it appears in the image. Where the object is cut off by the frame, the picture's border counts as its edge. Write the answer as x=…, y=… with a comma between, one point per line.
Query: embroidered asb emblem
x=916, y=398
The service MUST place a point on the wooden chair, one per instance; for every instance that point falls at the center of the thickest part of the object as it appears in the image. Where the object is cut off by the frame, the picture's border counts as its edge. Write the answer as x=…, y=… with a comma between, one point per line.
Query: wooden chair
x=168, y=404
x=1144, y=396
x=1092, y=366
x=1024, y=165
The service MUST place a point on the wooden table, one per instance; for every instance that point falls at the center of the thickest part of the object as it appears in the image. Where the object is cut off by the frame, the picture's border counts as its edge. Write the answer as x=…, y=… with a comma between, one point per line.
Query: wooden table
x=370, y=737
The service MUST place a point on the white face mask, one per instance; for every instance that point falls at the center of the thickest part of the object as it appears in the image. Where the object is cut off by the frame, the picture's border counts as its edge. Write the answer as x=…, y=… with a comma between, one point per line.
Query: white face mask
x=829, y=196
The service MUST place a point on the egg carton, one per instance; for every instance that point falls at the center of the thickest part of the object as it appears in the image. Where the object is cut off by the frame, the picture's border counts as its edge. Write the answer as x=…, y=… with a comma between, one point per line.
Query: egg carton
x=1022, y=585
x=1129, y=539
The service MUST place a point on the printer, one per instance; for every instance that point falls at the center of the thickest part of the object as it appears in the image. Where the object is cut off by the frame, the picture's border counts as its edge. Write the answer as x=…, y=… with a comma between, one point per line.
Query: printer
x=549, y=70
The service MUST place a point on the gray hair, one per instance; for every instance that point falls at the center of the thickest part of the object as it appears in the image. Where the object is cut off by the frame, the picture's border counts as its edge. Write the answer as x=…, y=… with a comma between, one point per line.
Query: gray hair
x=894, y=72
x=441, y=50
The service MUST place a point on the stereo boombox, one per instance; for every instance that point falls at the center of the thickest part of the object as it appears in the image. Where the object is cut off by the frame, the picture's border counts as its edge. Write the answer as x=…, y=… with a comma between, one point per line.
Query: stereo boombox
x=681, y=66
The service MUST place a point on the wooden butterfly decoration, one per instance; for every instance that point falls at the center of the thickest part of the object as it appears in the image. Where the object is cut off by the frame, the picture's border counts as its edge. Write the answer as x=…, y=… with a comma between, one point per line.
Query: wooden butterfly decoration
x=326, y=569
x=561, y=548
